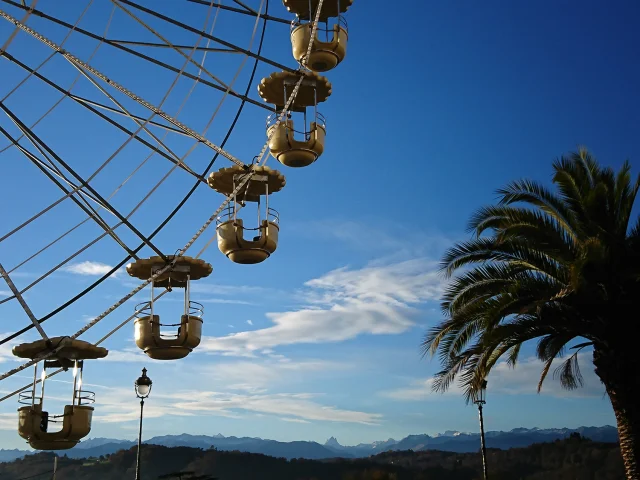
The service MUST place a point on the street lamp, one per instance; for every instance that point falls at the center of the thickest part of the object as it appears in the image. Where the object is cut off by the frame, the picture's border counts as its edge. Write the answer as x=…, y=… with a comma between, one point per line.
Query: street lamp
x=143, y=389
x=480, y=398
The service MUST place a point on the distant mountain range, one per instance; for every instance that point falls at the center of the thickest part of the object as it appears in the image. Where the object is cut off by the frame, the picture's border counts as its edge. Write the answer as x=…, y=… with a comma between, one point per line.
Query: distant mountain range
x=449, y=441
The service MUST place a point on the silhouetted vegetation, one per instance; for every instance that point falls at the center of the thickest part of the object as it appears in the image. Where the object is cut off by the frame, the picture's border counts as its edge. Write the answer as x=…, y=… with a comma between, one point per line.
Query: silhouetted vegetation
x=572, y=458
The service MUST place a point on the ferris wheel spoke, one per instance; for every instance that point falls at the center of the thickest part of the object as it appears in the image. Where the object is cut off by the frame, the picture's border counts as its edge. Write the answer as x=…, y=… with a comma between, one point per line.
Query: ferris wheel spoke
x=120, y=44
x=176, y=209
x=246, y=7
x=22, y=302
x=122, y=89
x=141, y=126
x=209, y=36
x=244, y=12
x=82, y=182
x=70, y=193
x=170, y=45
x=72, y=28
x=183, y=47
x=90, y=106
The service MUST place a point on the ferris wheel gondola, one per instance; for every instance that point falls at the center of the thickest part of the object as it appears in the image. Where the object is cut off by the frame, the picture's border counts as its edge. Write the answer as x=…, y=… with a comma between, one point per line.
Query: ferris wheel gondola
x=329, y=45
x=75, y=421
x=290, y=146
x=149, y=335
x=231, y=229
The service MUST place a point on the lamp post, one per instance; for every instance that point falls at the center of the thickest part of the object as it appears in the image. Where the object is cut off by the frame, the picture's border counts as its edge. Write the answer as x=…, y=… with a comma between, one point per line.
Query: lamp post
x=480, y=398
x=143, y=389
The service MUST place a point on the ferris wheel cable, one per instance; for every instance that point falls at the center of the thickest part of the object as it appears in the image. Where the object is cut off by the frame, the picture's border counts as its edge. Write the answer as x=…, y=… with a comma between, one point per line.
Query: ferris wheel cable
x=83, y=182
x=32, y=72
x=168, y=266
x=244, y=12
x=246, y=7
x=141, y=126
x=120, y=112
x=22, y=302
x=100, y=237
x=130, y=94
x=113, y=193
x=167, y=219
x=75, y=189
x=64, y=40
x=167, y=42
x=46, y=60
x=184, y=102
x=215, y=39
x=86, y=184
x=16, y=30
x=87, y=104
x=51, y=167
x=143, y=56
x=86, y=209
x=164, y=45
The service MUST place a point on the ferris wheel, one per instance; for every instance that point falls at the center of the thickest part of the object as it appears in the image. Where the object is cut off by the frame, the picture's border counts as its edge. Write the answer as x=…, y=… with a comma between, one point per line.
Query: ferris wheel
x=114, y=115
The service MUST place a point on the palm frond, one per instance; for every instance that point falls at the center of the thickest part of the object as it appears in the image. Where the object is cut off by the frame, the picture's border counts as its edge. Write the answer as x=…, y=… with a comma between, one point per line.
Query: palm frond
x=539, y=196
x=569, y=373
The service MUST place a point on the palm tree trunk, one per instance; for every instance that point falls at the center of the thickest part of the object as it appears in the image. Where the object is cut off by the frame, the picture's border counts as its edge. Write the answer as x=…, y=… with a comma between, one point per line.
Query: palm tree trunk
x=620, y=374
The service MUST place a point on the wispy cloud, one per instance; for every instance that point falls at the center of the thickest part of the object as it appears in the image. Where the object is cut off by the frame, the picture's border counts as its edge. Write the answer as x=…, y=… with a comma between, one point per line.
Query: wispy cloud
x=294, y=420
x=341, y=305
x=88, y=268
x=521, y=380
x=294, y=406
x=8, y=421
x=127, y=355
x=250, y=322
x=397, y=240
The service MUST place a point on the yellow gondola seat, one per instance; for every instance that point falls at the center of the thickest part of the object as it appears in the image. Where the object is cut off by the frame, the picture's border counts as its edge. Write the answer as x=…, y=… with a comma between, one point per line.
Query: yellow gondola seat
x=149, y=339
x=76, y=424
x=232, y=243
x=324, y=55
x=296, y=153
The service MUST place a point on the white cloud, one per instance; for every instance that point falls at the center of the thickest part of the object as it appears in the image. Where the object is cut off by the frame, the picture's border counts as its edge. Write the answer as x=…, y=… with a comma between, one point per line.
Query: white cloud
x=267, y=373
x=5, y=293
x=88, y=268
x=294, y=420
x=397, y=240
x=225, y=301
x=296, y=406
x=8, y=421
x=342, y=305
x=127, y=355
x=250, y=322
x=521, y=380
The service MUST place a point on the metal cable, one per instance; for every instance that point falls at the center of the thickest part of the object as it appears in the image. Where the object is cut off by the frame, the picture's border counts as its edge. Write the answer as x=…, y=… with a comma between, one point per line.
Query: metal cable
x=171, y=214
x=79, y=63
x=157, y=185
x=179, y=253
x=46, y=60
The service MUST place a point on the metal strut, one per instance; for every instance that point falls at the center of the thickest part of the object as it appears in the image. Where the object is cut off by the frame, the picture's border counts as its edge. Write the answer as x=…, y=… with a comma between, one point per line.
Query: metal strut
x=24, y=305
x=119, y=44
x=83, y=182
x=80, y=64
x=88, y=105
x=162, y=224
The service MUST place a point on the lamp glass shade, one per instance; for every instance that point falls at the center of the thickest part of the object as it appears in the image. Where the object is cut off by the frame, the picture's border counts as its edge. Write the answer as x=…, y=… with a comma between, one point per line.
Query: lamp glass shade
x=143, y=390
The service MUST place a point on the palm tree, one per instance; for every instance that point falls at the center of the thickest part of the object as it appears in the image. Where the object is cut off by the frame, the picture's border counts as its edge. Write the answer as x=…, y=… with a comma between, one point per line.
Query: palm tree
x=558, y=265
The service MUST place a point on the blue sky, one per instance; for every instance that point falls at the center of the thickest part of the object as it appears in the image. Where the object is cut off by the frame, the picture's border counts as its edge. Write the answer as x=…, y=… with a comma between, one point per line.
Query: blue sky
x=434, y=108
